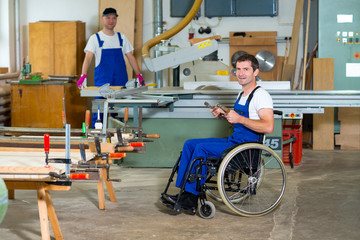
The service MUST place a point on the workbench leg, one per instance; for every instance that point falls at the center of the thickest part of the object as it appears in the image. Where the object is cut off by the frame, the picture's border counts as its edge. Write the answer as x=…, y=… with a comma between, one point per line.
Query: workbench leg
x=108, y=185
x=11, y=194
x=101, y=194
x=52, y=217
x=44, y=219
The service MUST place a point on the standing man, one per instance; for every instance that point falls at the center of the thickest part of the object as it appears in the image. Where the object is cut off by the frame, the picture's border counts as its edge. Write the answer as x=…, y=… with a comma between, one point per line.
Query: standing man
x=252, y=116
x=109, y=48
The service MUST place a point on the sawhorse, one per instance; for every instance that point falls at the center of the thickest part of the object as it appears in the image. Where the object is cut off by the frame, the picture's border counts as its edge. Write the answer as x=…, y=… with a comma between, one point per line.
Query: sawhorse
x=45, y=204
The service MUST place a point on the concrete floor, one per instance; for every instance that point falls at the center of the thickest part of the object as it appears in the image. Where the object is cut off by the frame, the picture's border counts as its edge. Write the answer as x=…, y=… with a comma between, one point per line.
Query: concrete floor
x=322, y=201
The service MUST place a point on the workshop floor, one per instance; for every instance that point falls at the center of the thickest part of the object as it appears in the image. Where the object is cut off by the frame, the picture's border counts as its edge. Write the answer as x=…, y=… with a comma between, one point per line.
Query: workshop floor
x=322, y=201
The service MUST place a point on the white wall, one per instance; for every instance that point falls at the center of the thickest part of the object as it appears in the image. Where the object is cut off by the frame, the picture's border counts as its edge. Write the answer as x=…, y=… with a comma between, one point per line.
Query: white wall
x=87, y=11
x=4, y=34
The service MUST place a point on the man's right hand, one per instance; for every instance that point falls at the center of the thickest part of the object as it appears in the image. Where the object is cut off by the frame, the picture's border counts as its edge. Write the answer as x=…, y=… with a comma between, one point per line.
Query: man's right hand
x=82, y=81
x=217, y=112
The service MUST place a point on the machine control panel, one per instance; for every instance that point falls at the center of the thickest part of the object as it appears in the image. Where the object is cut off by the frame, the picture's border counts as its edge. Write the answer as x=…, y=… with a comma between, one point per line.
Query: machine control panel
x=292, y=116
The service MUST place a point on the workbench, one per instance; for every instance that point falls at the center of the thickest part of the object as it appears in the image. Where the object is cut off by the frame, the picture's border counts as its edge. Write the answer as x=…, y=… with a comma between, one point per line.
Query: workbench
x=26, y=178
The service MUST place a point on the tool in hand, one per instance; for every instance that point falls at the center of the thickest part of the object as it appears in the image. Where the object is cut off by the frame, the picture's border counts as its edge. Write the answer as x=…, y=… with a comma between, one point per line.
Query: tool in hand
x=225, y=109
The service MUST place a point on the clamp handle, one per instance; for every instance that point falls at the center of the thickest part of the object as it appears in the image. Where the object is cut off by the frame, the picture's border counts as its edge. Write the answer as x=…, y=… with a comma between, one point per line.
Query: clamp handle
x=46, y=142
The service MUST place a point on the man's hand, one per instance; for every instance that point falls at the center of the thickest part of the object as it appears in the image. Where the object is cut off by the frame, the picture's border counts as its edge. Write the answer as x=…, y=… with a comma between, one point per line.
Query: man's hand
x=140, y=79
x=217, y=112
x=82, y=81
x=233, y=117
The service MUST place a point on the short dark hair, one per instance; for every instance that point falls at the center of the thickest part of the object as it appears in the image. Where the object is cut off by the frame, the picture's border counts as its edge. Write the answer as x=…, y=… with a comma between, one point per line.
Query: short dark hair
x=109, y=11
x=251, y=58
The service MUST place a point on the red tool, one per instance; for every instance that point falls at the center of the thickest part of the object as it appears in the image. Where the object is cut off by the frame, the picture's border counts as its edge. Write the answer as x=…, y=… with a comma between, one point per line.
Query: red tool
x=47, y=147
x=79, y=176
x=136, y=144
x=117, y=155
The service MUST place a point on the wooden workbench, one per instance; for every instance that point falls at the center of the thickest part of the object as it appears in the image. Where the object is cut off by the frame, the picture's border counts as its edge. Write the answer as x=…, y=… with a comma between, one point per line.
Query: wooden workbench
x=19, y=180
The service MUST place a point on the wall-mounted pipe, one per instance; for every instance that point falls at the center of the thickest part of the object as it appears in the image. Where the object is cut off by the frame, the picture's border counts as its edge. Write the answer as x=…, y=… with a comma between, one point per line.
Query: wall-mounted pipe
x=166, y=35
x=158, y=29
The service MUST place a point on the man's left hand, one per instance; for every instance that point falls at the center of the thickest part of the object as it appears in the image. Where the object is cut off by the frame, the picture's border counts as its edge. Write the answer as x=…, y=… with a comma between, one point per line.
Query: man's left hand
x=140, y=79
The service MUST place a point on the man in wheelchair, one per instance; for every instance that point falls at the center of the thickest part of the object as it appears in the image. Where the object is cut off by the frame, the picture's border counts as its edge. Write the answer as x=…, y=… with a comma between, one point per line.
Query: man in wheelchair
x=252, y=116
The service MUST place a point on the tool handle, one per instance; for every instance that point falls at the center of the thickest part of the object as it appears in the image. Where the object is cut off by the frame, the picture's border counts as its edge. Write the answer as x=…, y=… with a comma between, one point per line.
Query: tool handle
x=225, y=109
x=125, y=149
x=63, y=118
x=87, y=118
x=126, y=114
x=152, y=135
x=79, y=176
x=117, y=155
x=137, y=144
x=208, y=105
x=46, y=142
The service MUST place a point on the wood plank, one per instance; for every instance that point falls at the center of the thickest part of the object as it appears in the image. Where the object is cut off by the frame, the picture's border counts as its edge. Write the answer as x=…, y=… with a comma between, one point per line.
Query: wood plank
x=323, y=124
x=289, y=68
x=101, y=192
x=5, y=90
x=26, y=169
x=4, y=70
x=26, y=173
x=105, y=147
x=108, y=185
x=52, y=217
x=32, y=185
x=349, y=137
x=44, y=218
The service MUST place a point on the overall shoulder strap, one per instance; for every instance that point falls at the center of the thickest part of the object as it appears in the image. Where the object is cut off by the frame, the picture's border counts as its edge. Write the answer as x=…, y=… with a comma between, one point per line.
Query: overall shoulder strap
x=120, y=39
x=101, y=43
x=252, y=94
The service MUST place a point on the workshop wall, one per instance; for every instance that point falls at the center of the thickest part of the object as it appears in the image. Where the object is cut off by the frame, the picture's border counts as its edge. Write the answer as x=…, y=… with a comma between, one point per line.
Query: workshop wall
x=87, y=11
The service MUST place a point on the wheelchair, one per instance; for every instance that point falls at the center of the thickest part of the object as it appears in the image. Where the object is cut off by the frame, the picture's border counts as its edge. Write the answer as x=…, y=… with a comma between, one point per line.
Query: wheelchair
x=250, y=178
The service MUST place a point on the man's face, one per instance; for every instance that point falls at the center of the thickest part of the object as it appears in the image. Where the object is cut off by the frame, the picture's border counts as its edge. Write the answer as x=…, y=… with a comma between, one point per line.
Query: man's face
x=109, y=21
x=245, y=73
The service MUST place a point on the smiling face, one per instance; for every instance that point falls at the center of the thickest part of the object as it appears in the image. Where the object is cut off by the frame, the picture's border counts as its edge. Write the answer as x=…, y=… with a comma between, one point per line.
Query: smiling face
x=245, y=74
x=109, y=21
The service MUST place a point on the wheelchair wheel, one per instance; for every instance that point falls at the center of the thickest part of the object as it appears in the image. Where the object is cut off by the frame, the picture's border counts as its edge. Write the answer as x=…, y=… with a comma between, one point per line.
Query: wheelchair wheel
x=212, y=187
x=206, y=210
x=240, y=174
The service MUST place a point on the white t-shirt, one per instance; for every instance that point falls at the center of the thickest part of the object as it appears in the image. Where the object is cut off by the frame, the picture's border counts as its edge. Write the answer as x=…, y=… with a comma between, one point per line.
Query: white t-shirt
x=109, y=42
x=261, y=99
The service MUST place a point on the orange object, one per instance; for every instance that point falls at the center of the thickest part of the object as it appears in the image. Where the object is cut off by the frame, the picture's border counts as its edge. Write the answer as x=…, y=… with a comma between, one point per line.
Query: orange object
x=126, y=114
x=137, y=144
x=63, y=117
x=117, y=155
x=79, y=176
x=152, y=135
x=87, y=118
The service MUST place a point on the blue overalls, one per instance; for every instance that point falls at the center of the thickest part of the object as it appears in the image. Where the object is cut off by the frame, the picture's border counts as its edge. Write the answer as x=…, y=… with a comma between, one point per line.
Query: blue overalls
x=111, y=69
x=213, y=147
